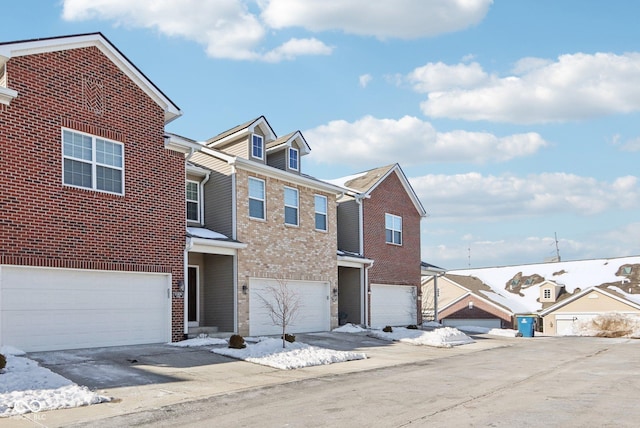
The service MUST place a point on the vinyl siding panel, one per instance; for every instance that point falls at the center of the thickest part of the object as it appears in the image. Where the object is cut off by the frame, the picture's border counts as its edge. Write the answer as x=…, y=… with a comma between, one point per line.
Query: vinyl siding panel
x=217, y=292
x=278, y=160
x=348, y=229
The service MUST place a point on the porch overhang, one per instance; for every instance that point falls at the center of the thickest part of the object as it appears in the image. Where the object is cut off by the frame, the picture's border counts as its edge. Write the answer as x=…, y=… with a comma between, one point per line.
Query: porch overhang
x=212, y=246
x=354, y=262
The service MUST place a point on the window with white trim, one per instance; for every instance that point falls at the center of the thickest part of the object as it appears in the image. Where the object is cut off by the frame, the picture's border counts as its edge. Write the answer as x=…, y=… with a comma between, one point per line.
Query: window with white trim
x=393, y=226
x=91, y=162
x=193, y=201
x=256, y=198
x=291, y=206
x=321, y=212
x=257, y=146
x=293, y=159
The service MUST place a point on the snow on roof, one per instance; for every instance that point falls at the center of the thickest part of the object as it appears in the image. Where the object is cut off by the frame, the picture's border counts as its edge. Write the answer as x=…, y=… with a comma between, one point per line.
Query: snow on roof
x=579, y=274
x=201, y=232
x=343, y=180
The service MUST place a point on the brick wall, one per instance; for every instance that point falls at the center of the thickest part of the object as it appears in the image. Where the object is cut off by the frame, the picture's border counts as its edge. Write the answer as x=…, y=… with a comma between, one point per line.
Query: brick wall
x=394, y=264
x=279, y=251
x=45, y=223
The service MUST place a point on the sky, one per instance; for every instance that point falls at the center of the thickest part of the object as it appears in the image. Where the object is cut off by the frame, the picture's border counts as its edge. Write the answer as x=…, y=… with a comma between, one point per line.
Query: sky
x=515, y=121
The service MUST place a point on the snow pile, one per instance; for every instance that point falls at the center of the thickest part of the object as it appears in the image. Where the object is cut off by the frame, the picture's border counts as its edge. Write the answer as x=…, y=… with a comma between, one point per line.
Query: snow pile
x=434, y=324
x=269, y=352
x=199, y=341
x=27, y=387
x=609, y=325
x=505, y=332
x=445, y=337
x=349, y=328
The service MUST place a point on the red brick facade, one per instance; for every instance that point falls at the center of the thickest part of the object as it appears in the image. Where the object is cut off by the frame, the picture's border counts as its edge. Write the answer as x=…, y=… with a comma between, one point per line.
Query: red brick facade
x=45, y=223
x=394, y=264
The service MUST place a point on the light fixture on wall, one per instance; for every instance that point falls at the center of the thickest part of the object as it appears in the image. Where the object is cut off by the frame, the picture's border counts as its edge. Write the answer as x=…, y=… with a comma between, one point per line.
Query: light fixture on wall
x=181, y=284
x=244, y=288
x=335, y=291
x=470, y=305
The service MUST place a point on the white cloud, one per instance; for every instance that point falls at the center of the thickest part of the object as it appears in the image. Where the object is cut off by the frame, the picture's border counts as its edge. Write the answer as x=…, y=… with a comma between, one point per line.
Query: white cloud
x=491, y=198
x=364, y=80
x=405, y=19
x=631, y=145
x=575, y=87
x=226, y=28
x=370, y=142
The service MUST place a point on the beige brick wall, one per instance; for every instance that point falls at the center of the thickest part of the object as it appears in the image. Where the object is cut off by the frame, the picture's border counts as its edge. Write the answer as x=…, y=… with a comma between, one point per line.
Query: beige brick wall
x=278, y=251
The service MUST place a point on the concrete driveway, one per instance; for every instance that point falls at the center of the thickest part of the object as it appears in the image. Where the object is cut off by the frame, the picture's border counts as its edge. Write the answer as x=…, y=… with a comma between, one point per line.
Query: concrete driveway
x=145, y=377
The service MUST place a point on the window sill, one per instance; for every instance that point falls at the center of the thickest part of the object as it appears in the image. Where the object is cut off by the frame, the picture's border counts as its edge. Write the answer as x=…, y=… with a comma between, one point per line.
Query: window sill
x=394, y=244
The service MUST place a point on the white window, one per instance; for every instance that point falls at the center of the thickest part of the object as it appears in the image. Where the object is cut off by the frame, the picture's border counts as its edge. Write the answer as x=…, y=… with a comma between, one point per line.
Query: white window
x=290, y=206
x=92, y=162
x=193, y=201
x=393, y=226
x=257, y=146
x=256, y=198
x=321, y=212
x=547, y=293
x=293, y=159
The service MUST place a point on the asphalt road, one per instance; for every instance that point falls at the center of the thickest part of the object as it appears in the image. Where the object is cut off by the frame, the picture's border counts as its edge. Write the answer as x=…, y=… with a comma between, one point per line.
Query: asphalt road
x=546, y=382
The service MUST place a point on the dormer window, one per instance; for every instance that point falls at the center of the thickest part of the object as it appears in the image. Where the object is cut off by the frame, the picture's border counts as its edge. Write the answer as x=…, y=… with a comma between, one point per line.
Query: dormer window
x=546, y=293
x=257, y=146
x=294, y=159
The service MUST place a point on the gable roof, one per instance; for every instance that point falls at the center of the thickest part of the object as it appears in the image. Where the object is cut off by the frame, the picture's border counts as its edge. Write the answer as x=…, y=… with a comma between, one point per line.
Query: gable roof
x=366, y=182
x=288, y=141
x=472, y=287
x=10, y=50
x=243, y=129
x=575, y=276
x=614, y=295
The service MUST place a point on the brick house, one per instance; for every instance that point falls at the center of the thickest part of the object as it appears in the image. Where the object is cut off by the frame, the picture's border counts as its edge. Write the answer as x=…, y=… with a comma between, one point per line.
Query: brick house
x=91, y=235
x=379, y=271
x=261, y=222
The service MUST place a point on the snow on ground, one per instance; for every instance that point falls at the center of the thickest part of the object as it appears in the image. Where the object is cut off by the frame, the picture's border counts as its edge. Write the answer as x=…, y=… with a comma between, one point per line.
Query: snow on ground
x=505, y=332
x=609, y=325
x=349, y=328
x=27, y=387
x=269, y=352
x=199, y=341
x=445, y=337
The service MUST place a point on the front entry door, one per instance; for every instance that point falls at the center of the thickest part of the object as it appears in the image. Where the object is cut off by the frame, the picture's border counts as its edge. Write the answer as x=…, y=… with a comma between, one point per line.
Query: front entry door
x=194, y=296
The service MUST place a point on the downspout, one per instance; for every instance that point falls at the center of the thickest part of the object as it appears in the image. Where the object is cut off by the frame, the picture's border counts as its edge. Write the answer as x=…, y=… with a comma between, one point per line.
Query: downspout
x=435, y=297
x=366, y=291
x=185, y=258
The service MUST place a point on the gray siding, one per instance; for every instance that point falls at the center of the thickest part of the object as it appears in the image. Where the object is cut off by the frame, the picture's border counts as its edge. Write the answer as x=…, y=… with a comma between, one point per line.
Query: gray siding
x=348, y=230
x=278, y=160
x=349, y=294
x=218, y=195
x=217, y=292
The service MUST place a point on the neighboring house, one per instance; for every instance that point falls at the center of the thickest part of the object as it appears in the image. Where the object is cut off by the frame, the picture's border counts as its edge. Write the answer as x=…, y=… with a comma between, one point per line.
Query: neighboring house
x=560, y=292
x=255, y=221
x=461, y=302
x=379, y=243
x=559, y=319
x=92, y=230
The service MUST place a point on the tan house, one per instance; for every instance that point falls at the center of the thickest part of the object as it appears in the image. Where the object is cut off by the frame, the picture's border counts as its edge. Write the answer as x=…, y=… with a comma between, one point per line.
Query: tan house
x=560, y=318
x=461, y=301
x=256, y=221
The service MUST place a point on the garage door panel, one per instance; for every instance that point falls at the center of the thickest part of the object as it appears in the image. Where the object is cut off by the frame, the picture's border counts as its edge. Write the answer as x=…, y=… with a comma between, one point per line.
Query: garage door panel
x=393, y=305
x=47, y=309
x=475, y=322
x=313, y=313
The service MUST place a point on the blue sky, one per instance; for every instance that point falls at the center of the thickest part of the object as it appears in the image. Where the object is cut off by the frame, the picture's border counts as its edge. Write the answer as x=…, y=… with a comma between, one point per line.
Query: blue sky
x=513, y=120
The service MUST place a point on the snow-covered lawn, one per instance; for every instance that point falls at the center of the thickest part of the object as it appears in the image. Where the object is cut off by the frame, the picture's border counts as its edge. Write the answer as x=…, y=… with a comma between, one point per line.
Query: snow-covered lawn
x=27, y=387
x=269, y=352
x=199, y=341
x=444, y=337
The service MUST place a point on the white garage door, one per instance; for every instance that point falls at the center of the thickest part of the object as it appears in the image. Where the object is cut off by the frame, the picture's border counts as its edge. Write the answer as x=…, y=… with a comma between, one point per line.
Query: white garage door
x=49, y=309
x=476, y=322
x=314, y=313
x=565, y=322
x=393, y=305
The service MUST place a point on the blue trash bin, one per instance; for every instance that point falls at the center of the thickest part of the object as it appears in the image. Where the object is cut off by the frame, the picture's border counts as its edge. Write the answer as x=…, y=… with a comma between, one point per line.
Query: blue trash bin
x=526, y=326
